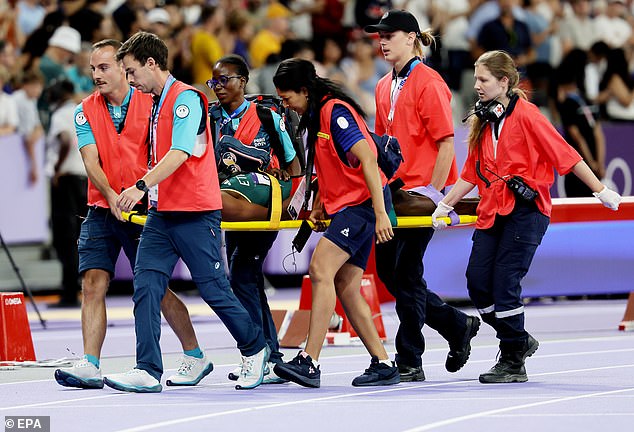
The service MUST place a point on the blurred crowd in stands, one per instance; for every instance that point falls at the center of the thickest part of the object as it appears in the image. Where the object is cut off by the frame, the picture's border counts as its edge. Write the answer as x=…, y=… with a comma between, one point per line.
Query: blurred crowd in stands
x=576, y=59
x=44, y=41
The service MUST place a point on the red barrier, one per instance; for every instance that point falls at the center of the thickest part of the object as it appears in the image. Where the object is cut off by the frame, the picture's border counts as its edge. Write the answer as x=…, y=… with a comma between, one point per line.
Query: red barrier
x=16, y=343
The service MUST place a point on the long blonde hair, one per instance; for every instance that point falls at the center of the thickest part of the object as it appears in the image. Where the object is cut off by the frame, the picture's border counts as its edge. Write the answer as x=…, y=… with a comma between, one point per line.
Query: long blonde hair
x=501, y=65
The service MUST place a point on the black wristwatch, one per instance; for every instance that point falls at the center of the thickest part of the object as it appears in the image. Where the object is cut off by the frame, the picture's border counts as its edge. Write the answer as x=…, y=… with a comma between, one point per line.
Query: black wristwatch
x=140, y=185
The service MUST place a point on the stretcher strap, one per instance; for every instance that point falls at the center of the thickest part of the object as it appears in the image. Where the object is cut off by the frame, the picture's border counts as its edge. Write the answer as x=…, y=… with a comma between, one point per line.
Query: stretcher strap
x=276, y=203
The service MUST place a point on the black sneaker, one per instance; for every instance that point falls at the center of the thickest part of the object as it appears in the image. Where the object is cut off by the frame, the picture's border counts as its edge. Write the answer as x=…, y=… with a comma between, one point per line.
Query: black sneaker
x=410, y=374
x=300, y=370
x=459, y=353
x=378, y=374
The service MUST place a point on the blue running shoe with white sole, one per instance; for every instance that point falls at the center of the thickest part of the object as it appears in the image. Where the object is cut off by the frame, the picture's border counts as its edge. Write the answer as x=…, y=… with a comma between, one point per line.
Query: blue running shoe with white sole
x=82, y=374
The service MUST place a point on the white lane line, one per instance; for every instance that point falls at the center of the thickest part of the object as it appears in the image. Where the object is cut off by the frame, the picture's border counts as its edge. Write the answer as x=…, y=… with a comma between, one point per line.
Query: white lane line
x=374, y=392
x=447, y=422
x=427, y=365
x=41, y=404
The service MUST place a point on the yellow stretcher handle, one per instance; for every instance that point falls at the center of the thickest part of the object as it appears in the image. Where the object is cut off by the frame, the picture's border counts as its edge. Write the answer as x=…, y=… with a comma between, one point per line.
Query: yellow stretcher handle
x=402, y=222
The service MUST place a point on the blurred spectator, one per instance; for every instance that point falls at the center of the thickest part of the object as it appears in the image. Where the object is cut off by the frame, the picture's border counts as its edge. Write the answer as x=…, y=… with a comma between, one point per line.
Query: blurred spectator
x=541, y=32
x=594, y=69
x=205, y=46
x=450, y=20
x=616, y=89
x=79, y=73
x=363, y=69
x=240, y=31
x=327, y=20
x=159, y=22
x=482, y=12
x=263, y=76
x=580, y=124
x=29, y=126
x=612, y=27
x=578, y=30
x=69, y=186
x=269, y=40
x=8, y=110
x=328, y=55
x=368, y=12
x=508, y=34
x=62, y=47
x=87, y=20
x=30, y=14
x=299, y=22
x=37, y=42
x=8, y=59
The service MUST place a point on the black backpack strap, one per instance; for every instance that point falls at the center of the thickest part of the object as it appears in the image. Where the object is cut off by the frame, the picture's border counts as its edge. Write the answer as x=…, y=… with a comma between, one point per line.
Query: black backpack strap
x=266, y=118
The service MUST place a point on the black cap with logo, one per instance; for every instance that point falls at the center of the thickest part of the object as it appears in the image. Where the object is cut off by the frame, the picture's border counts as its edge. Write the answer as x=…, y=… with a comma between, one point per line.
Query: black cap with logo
x=394, y=20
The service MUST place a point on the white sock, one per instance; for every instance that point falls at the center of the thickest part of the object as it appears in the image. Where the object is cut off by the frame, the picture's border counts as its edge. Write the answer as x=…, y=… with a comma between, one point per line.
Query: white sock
x=386, y=362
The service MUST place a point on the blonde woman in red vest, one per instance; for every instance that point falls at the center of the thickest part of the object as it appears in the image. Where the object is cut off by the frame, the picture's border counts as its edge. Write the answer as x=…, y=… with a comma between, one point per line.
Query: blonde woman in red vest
x=353, y=193
x=509, y=139
x=413, y=103
x=112, y=126
x=183, y=220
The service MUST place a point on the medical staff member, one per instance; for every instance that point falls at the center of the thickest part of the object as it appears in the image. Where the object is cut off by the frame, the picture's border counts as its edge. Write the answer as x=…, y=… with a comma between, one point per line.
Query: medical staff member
x=246, y=251
x=513, y=149
x=413, y=103
x=353, y=193
x=112, y=127
x=183, y=220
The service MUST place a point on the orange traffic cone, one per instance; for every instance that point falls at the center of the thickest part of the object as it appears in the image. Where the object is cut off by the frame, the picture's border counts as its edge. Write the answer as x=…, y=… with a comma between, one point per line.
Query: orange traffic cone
x=16, y=343
x=368, y=291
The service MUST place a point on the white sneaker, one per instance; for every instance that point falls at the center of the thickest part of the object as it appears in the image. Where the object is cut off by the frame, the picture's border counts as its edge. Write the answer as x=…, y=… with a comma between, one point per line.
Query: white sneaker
x=252, y=371
x=191, y=371
x=235, y=374
x=270, y=377
x=135, y=380
x=82, y=374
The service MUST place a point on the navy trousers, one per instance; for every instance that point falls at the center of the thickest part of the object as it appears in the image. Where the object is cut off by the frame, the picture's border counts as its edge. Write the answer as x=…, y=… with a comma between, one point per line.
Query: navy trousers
x=500, y=258
x=399, y=265
x=246, y=252
x=195, y=238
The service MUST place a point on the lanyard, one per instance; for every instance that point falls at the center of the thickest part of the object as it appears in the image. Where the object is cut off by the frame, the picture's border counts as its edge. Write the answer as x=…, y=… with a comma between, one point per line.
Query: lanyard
x=156, y=108
x=396, y=88
x=226, y=118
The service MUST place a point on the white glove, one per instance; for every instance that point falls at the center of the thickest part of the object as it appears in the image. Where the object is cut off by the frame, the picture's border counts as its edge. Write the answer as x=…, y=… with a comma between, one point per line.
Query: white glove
x=608, y=198
x=442, y=210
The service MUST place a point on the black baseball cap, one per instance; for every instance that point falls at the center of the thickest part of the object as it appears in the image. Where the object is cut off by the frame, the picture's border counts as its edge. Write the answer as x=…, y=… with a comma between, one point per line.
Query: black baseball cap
x=394, y=20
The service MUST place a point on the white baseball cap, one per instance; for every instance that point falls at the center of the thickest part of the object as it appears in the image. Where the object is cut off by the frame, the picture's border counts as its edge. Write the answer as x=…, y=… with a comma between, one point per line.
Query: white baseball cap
x=157, y=15
x=66, y=38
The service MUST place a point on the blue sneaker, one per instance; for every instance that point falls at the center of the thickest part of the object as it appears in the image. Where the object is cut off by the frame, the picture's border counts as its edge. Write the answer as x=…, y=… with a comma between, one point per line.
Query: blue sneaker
x=191, y=371
x=82, y=374
x=378, y=374
x=135, y=381
x=300, y=370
